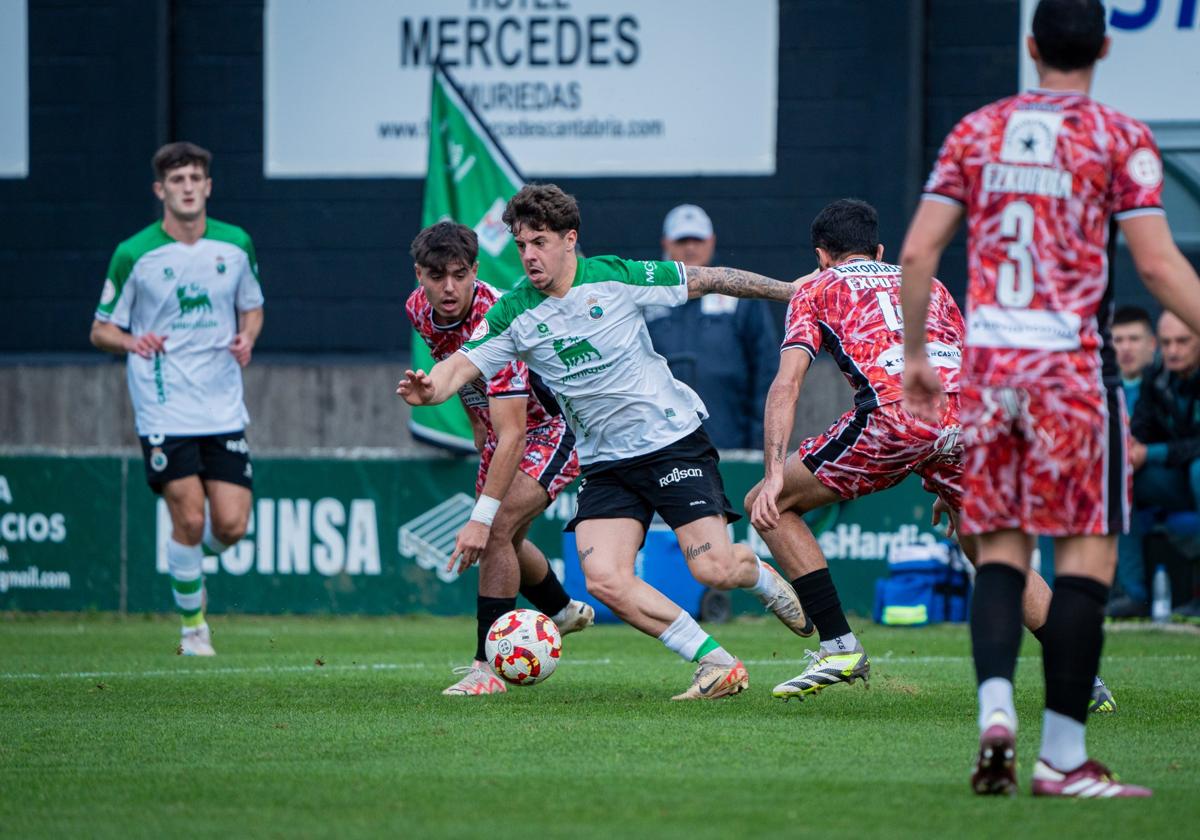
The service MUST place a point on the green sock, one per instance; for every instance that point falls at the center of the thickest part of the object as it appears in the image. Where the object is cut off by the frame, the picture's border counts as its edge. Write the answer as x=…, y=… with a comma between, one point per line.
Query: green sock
x=710, y=644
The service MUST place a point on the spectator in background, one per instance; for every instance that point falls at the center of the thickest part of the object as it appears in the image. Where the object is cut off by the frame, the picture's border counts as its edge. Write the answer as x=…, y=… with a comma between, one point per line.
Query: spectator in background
x=725, y=348
x=1133, y=339
x=1166, y=428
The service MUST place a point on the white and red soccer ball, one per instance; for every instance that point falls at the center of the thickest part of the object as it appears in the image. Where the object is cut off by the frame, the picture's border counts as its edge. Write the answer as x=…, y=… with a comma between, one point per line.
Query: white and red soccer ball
x=523, y=647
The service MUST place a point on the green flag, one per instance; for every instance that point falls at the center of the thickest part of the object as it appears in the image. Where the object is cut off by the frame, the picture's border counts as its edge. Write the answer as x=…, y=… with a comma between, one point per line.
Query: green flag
x=469, y=180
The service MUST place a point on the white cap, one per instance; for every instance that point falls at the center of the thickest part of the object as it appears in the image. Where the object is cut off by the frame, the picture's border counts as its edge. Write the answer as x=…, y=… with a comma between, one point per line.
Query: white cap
x=687, y=221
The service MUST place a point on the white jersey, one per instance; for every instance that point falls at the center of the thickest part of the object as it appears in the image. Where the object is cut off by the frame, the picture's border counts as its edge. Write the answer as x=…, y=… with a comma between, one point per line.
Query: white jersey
x=191, y=294
x=592, y=349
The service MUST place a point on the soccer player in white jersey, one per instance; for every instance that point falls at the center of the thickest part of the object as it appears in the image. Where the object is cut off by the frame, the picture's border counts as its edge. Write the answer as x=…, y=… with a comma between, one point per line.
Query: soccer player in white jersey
x=577, y=322
x=182, y=302
x=526, y=451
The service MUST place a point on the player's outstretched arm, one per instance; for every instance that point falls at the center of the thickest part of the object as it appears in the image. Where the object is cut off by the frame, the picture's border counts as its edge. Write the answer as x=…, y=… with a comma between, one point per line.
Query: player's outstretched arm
x=1166, y=272
x=112, y=339
x=779, y=416
x=437, y=386
x=508, y=422
x=702, y=280
x=931, y=230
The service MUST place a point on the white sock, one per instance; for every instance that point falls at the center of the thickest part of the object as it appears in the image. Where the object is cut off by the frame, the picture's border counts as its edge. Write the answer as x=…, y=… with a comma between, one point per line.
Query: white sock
x=1097, y=681
x=720, y=656
x=684, y=636
x=996, y=695
x=839, y=644
x=209, y=541
x=1063, y=744
x=183, y=563
x=767, y=584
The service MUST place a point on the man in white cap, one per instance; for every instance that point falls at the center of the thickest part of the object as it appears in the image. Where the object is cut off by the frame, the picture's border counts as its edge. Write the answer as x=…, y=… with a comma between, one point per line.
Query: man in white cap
x=725, y=348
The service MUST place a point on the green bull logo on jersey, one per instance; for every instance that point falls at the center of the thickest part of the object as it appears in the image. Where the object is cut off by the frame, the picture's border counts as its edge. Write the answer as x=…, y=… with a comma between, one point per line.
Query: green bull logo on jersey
x=197, y=302
x=574, y=351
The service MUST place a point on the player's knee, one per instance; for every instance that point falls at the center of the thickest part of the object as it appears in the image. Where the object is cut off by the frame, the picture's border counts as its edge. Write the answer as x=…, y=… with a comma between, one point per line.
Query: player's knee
x=189, y=526
x=229, y=530
x=504, y=528
x=717, y=569
x=751, y=496
x=607, y=587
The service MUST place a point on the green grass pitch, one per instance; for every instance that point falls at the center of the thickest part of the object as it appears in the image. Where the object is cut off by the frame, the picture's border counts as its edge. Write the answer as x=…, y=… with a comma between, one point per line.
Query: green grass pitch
x=335, y=727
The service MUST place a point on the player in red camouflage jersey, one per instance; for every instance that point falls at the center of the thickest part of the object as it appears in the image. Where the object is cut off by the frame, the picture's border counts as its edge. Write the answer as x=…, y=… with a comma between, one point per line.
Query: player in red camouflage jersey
x=851, y=310
x=1041, y=177
x=526, y=449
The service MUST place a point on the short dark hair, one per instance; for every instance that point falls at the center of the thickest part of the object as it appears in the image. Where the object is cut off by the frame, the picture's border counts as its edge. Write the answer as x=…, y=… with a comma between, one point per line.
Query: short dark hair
x=175, y=155
x=1069, y=33
x=1133, y=315
x=847, y=226
x=443, y=243
x=542, y=207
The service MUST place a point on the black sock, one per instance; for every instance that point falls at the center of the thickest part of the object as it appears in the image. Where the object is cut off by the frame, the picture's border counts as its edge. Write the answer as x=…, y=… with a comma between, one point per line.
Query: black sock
x=820, y=600
x=548, y=597
x=1040, y=634
x=1074, y=639
x=996, y=620
x=487, y=610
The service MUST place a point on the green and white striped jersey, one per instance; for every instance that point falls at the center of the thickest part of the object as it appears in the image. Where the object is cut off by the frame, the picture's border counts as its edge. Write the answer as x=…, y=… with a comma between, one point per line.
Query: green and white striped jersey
x=592, y=349
x=192, y=295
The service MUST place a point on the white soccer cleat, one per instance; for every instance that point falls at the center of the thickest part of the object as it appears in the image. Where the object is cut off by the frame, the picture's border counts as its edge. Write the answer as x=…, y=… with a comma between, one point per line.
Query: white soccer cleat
x=575, y=616
x=196, y=641
x=477, y=678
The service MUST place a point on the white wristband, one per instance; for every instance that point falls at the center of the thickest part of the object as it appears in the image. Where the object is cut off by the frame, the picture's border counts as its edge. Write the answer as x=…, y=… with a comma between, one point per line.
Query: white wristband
x=485, y=510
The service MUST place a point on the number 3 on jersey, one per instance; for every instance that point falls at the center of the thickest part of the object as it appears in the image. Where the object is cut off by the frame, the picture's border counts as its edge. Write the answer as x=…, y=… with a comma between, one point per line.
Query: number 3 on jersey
x=1014, y=281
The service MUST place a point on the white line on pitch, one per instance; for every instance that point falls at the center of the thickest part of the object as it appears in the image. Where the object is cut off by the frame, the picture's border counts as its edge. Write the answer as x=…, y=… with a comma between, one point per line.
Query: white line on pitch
x=262, y=669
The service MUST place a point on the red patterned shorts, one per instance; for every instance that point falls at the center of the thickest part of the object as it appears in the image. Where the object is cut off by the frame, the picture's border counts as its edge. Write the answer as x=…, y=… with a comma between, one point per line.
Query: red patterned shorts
x=1045, y=460
x=868, y=450
x=549, y=459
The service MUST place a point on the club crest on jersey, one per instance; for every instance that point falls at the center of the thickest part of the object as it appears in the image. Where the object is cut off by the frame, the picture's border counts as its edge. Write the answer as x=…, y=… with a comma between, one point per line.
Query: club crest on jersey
x=168, y=273
x=594, y=310
x=1031, y=137
x=480, y=331
x=158, y=460
x=1145, y=168
x=220, y=264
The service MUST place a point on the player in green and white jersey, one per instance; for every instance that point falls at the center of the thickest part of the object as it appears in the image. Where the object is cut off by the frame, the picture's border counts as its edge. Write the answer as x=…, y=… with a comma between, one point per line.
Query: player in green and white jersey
x=182, y=301
x=577, y=322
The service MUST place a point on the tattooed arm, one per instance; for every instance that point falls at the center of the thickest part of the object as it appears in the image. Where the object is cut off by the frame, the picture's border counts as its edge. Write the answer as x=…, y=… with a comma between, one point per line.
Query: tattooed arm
x=701, y=280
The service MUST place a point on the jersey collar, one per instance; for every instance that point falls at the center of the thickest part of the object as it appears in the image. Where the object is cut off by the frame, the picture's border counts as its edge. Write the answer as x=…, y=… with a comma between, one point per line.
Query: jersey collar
x=459, y=322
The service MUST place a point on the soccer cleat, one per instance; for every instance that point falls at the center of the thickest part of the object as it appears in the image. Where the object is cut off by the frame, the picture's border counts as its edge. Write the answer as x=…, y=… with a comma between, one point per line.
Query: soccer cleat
x=196, y=641
x=826, y=669
x=786, y=605
x=1090, y=780
x=574, y=617
x=996, y=768
x=478, y=678
x=713, y=681
x=1102, y=699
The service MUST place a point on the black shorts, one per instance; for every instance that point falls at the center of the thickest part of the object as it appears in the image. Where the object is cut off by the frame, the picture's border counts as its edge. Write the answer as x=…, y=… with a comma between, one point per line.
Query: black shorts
x=680, y=481
x=224, y=457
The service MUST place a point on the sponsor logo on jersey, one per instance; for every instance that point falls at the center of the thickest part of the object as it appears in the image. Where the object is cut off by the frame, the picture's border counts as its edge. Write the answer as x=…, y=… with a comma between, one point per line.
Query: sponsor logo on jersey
x=1145, y=168
x=109, y=293
x=574, y=351
x=677, y=475
x=543, y=329
x=197, y=301
x=940, y=355
x=1031, y=137
x=670, y=412
x=1026, y=180
x=168, y=273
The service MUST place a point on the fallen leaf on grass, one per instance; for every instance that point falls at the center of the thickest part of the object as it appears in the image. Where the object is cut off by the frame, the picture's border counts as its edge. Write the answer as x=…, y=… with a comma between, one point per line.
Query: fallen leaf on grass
x=319, y=662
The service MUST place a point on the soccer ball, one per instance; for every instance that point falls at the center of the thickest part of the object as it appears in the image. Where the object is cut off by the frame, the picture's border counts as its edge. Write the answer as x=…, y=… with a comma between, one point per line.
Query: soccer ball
x=523, y=647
